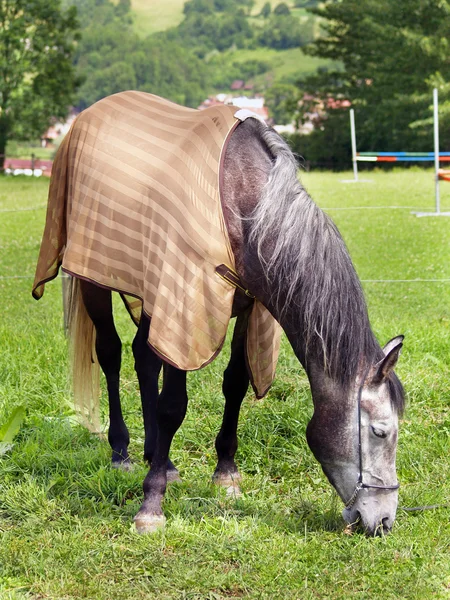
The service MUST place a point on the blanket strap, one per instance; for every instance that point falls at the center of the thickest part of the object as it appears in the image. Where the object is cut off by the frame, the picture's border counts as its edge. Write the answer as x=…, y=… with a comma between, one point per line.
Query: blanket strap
x=230, y=276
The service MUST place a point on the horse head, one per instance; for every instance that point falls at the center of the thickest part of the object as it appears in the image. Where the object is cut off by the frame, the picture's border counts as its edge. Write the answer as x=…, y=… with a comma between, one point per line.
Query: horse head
x=354, y=437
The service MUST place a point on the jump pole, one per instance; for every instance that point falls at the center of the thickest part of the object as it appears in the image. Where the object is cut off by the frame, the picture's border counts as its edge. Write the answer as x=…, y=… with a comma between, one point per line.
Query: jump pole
x=353, y=136
x=354, y=159
x=438, y=212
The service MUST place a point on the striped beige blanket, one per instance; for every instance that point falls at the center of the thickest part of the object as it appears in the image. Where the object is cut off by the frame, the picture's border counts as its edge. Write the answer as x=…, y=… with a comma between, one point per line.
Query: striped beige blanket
x=134, y=205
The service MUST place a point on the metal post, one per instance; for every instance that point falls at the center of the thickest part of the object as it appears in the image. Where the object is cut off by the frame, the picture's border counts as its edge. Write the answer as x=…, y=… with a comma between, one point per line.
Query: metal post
x=437, y=212
x=436, y=148
x=353, y=137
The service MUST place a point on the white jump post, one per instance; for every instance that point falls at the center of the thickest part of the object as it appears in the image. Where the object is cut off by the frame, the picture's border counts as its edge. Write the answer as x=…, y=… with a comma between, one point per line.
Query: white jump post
x=353, y=136
x=437, y=212
x=436, y=149
x=354, y=157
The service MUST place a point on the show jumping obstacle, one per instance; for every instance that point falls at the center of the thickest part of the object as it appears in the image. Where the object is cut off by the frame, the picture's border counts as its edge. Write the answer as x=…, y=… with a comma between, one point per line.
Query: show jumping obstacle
x=391, y=157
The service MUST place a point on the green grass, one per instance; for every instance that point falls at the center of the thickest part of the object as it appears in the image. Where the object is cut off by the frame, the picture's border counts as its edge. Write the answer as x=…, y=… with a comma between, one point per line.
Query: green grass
x=155, y=15
x=150, y=17
x=25, y=150
x=286, y=65
x=66, y=517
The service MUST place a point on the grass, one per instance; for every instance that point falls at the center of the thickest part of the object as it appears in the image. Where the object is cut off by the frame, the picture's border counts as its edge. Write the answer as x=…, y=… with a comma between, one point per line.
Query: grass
x=66, y=517
x=150, y=17
x=25, y=150
x=286, y=65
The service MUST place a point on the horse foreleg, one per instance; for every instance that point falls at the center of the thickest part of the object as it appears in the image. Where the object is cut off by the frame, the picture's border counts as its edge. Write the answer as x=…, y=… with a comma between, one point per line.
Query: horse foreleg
x=109, y=350
x=235, y=385
x=170, y=412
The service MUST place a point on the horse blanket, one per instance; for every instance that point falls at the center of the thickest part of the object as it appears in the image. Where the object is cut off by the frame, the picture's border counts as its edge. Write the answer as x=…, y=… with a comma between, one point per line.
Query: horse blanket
x=134, y=206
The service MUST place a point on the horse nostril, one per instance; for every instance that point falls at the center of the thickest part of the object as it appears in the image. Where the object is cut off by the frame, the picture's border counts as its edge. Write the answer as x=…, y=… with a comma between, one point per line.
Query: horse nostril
x=387, y=526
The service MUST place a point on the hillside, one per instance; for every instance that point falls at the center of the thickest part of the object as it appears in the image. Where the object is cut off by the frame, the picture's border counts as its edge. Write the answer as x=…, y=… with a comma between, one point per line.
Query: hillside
x=285, y=66
x=157, y=15
x=150, y=16
x=187, y=50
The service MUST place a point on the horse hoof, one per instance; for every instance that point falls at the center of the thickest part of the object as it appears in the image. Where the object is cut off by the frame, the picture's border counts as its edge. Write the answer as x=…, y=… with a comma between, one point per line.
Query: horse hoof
x=233, y=491
x=173, y=475
x=125, y=465
x=149, y=523
x=229, y=481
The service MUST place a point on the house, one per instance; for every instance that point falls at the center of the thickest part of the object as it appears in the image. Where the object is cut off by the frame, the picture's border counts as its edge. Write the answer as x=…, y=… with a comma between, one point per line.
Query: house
x=255, y=105
x=57, y=130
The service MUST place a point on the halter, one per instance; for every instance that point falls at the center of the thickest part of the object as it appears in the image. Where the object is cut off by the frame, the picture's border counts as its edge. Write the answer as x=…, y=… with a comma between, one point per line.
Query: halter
x=360, y=485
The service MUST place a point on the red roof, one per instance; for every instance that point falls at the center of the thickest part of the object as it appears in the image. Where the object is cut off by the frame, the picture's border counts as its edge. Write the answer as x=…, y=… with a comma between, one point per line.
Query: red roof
x=237, y=84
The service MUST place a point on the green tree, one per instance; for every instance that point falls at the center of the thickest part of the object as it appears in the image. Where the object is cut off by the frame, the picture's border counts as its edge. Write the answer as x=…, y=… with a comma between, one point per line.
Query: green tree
x=281, y=9
x=281, y=32
x=266, y=10
x=392, y=54
x=281, y=100
x=199, y=6
x=37, y=77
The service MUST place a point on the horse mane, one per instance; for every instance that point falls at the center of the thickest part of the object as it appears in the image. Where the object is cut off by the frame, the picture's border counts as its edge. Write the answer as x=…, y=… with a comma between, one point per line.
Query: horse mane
x=315, y=286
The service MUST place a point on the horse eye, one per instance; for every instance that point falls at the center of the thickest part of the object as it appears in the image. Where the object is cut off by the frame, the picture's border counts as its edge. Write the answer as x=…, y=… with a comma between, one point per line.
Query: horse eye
x=379, y=432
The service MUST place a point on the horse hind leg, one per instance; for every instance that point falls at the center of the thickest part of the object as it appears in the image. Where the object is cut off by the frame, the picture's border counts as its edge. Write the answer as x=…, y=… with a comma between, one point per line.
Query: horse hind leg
x=148, y=366
x=235, y=386
x=170, y=413
x=109, y=350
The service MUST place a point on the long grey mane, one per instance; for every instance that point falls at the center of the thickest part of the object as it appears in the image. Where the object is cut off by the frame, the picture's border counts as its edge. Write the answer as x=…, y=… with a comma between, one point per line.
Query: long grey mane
x=315, y=286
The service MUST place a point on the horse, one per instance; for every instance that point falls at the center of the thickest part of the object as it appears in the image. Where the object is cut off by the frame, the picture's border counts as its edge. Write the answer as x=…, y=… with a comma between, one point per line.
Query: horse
x=289, y=258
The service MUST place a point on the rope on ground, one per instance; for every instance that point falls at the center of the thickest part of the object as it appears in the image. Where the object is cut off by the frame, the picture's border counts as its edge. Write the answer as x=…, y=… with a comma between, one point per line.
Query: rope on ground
x=4, y=277
x=374, y=208
x=11, y=210
x=405, y=280
x=420, y=508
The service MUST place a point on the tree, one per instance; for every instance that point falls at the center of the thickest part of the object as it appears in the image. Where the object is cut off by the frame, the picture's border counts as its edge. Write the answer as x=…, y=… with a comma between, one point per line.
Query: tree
x=281, y=100
x=281, y=9
x=266, y=10
x=198, y=6
x=37, y=78
x=392, y=54
x=281, y=32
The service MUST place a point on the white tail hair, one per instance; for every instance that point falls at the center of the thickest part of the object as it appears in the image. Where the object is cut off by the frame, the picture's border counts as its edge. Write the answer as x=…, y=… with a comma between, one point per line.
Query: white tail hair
x=85, y=367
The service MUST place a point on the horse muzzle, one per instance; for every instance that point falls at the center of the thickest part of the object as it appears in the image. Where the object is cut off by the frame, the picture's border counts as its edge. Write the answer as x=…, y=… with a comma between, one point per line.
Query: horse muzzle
x=374, y=512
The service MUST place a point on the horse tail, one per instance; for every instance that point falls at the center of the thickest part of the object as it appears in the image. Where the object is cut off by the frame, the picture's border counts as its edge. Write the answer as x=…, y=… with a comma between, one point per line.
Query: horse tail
x=85, y=367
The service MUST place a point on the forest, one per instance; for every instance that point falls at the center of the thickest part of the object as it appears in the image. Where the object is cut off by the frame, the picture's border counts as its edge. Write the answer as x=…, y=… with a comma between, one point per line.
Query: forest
x=183, y=63
x=388, y=55
x=382, y=58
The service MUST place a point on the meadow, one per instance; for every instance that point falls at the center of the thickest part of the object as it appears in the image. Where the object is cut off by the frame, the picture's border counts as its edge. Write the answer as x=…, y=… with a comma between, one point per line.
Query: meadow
x=150, y=17
x=66, y=517
x=285, y=65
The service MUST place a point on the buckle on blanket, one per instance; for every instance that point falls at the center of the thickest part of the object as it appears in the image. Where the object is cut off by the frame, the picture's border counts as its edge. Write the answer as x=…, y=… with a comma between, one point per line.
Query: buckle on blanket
x=230, y=276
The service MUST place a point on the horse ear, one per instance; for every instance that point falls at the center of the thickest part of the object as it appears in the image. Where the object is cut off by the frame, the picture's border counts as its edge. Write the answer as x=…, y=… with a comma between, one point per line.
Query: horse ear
x=387, y=364
x=393, y=343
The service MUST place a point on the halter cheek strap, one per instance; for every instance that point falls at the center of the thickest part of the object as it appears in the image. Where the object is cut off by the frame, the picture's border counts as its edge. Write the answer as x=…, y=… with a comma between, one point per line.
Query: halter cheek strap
x=360, y=485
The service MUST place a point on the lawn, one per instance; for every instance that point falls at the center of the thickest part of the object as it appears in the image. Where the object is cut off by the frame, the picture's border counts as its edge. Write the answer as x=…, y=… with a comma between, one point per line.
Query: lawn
x=66, y=516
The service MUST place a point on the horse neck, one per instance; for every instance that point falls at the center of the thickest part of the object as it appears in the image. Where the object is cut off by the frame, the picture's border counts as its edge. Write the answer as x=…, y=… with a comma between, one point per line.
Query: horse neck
x=312, y=290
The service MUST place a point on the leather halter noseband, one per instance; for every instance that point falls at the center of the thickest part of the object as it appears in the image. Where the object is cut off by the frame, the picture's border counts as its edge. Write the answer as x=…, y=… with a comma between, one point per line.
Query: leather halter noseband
x=360, y=485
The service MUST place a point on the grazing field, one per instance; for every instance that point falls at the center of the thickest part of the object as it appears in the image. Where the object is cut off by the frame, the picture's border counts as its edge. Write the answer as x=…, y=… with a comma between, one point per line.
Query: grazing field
x=150, y=17
x=153, y=16
x=285, y=65
x=66, y=516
